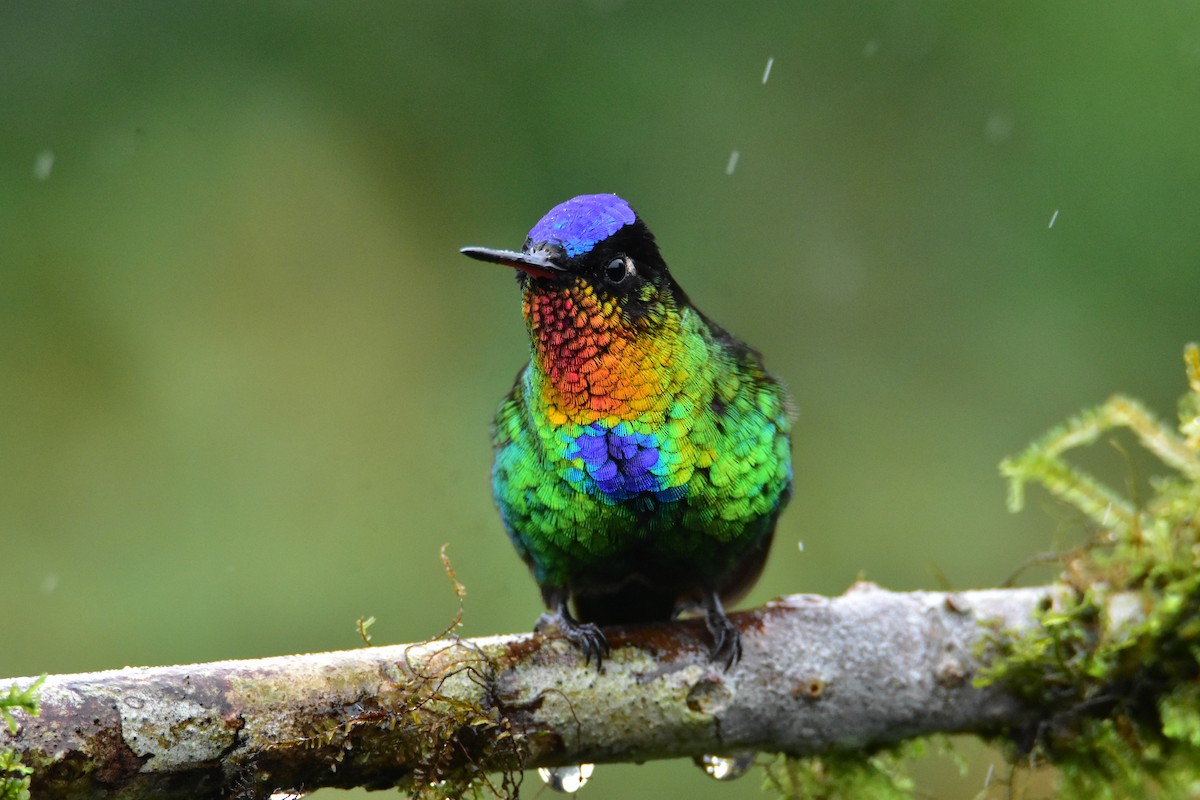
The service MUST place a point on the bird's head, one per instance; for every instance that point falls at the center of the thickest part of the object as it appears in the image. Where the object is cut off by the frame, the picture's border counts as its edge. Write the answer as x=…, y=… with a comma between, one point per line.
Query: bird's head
x=591, y=263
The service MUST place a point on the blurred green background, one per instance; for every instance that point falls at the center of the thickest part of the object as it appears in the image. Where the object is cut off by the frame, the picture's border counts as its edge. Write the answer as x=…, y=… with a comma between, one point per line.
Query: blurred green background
x=246, y=379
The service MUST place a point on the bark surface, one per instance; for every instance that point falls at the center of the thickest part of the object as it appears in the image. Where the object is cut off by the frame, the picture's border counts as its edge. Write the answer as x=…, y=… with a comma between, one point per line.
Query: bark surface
x=866, y=668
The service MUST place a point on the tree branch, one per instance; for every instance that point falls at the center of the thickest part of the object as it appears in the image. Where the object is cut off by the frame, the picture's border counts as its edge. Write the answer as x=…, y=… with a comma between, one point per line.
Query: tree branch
x=870, y=667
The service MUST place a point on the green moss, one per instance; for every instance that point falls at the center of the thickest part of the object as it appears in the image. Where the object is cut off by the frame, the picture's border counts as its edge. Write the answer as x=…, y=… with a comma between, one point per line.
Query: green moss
x=840, y=777
x=883, y=775
x=15, y=776
x=1115, y=662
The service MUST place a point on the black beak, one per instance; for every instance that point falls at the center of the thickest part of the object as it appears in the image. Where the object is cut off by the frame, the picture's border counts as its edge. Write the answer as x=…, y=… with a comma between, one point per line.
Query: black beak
x=538, y=265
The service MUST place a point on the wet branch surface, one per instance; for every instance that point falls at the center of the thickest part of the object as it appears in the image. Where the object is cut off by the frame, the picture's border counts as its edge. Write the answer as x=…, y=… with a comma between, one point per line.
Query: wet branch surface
x=867, y=668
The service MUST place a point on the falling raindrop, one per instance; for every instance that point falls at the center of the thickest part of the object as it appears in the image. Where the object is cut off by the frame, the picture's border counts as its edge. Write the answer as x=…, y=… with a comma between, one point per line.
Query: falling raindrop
x=732, y=164
x=727, y=768
x=568, y=780
x=43, y=165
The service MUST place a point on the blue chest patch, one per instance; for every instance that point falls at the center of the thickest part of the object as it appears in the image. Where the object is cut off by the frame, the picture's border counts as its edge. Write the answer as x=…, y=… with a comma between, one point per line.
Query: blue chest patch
x=617, y=464
x=578, y=224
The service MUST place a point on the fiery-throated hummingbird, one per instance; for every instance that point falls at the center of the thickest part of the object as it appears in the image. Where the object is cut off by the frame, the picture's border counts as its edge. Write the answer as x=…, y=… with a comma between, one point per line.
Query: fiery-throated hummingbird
x=643, y=455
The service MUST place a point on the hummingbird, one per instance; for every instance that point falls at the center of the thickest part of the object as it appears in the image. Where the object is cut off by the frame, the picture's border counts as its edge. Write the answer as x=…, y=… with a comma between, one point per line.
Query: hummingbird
x=643, y=454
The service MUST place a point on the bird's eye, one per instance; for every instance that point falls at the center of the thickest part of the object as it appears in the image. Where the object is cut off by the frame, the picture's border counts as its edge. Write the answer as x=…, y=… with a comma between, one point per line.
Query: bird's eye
x=618, y=270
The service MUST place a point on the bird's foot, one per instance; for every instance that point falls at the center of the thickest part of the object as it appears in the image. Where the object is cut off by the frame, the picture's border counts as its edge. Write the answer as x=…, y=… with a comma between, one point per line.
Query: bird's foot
x=727, y=641
x=584, y=635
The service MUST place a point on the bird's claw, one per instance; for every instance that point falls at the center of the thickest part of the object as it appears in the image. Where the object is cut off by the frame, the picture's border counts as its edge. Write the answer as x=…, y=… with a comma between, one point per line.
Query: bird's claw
x=727, y=640
x=727, y=645
x=587, y=636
